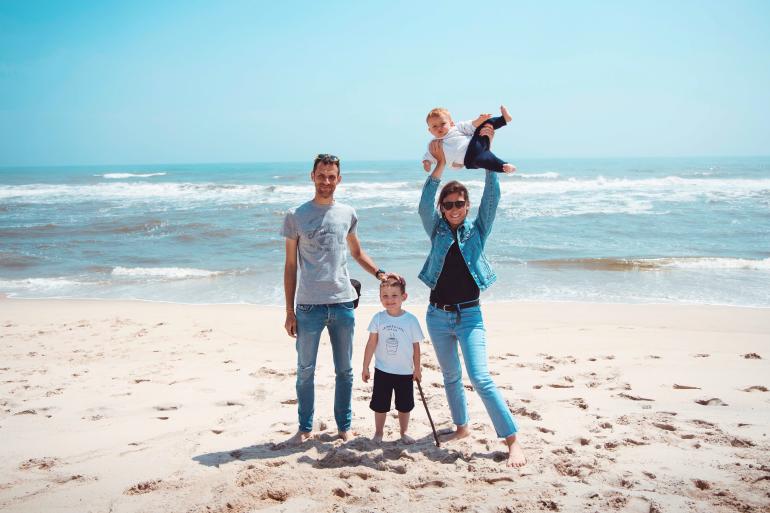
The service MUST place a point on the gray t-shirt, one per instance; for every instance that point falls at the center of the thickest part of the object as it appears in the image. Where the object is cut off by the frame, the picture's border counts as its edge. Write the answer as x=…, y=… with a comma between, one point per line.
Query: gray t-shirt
x=321, y=232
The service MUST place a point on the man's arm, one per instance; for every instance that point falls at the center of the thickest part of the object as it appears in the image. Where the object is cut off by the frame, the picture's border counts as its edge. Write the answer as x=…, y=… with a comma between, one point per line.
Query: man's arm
x=290, y=286
x=371, y=345
x=365, y=261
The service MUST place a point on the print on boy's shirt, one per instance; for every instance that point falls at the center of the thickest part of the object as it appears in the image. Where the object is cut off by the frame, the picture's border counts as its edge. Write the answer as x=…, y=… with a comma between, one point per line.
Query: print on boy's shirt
x=392, y=332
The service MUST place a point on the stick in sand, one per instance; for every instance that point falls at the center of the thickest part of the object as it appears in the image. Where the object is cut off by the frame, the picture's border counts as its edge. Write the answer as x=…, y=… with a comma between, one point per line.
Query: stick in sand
x=422, y=396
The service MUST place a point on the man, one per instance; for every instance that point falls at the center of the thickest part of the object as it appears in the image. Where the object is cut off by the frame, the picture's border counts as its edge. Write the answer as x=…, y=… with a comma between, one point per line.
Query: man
x=319, y=234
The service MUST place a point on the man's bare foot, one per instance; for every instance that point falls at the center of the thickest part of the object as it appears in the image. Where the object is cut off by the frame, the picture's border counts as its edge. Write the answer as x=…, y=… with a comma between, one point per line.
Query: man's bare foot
x=506, y=116
x=344, y=435
x=457, y=434
x=408, y=440
x=516, y=456
x=298, y=438
x=509, y=169
x=377, y=438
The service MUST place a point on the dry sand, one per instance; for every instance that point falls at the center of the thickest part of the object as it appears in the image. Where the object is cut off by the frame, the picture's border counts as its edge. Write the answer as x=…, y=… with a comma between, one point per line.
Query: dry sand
x=132, y=406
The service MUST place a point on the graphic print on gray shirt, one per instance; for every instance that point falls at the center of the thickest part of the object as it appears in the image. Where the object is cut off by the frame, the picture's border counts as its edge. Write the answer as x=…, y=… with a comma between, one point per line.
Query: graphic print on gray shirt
x=321, y=233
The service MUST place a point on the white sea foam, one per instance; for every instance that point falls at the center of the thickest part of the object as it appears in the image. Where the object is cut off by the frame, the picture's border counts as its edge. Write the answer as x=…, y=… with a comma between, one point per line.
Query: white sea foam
x=671, y=188
x=712, y=263
x=549, y=175
x=173, y=273
x=122, y=176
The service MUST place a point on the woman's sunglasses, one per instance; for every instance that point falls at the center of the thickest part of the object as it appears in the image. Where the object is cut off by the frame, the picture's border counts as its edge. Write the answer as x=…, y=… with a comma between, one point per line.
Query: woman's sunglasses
x=448, y=205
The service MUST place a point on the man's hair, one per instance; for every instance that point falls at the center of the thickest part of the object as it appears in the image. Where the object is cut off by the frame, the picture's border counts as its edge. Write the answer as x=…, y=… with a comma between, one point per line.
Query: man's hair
x=438, y=111
x=451, y=188
x=325, y=158
x=392, y=282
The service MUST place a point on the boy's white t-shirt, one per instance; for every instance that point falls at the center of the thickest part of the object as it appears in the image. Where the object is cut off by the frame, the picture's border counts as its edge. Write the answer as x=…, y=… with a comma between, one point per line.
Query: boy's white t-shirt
x=395, y=335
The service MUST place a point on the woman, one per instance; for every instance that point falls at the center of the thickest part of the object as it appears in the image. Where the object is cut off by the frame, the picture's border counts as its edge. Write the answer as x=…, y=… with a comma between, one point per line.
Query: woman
x=457, y=271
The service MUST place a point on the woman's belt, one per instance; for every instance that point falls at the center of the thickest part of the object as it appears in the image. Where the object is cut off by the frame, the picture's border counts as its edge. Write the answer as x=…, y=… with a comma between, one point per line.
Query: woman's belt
x=455, y=308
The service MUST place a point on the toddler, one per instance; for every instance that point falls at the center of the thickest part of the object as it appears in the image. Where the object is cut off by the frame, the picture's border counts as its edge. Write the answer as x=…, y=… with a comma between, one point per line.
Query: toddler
x=463, y=146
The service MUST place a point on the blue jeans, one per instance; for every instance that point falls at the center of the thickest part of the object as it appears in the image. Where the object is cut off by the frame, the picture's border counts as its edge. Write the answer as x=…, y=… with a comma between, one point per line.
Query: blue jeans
x=311, y=321
x=446, y=333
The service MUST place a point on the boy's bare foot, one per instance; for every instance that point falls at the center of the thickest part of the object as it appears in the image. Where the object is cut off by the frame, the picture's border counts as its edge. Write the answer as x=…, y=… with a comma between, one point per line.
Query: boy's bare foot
x=506, y=116
x=457, y=434
x=298, y=438
x=516, y=456
x=408, y=440
x=509, y=169
x=344, y=435
x=377, y=438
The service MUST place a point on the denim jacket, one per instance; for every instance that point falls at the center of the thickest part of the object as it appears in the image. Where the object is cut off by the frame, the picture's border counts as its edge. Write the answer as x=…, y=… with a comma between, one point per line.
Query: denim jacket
x=471, y=236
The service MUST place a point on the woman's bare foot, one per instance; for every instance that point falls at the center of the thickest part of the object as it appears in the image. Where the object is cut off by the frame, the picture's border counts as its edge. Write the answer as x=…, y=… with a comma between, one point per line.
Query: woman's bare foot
x=408, y=440
x=509, y=169
x=298, y=438
x=516, y=456
x=457, y=434
x=506, y=116
x=344, y=435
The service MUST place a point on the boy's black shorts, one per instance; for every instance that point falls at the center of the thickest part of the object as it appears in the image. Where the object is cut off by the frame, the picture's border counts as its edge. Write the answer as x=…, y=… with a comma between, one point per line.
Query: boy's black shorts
x=385, y=384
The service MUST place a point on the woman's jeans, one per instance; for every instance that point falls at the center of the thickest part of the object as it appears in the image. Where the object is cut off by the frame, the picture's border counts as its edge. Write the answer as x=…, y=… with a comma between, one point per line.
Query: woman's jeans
x=446, y=330
x=340, y=321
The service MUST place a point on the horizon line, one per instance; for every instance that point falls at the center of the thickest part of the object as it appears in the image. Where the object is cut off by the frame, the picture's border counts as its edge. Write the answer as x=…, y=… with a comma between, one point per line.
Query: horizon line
x=244, y=162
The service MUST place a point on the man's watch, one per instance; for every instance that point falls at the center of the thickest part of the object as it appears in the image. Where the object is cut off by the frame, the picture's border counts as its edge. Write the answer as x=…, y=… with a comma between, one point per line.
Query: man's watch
x=378, y=272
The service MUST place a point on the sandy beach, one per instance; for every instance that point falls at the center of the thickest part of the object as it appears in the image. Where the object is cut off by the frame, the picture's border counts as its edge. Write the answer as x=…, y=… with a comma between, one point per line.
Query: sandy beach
x=140, y=407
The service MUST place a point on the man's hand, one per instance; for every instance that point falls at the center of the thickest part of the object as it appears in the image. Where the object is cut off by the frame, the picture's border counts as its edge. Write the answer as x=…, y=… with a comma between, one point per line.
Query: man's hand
x=479, y=120
x=391, y=276
x=365, y=375
x=418, y=374
x=291, y=323
x=426, y=165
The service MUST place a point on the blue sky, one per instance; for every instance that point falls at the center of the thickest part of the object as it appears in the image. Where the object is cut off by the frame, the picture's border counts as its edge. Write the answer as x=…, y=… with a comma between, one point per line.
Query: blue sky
x=239, y=81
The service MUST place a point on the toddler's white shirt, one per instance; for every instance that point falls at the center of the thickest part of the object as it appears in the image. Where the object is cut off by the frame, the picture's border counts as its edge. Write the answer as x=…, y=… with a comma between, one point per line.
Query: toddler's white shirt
x=455, y=144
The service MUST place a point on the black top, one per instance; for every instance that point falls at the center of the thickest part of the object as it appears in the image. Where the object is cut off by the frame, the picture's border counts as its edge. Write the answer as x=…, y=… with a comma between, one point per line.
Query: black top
x=455, y=284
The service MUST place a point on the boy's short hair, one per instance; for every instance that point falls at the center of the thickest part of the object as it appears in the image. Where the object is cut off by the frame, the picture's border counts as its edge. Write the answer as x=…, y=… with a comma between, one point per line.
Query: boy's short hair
x=392, y=282
x=438, y=111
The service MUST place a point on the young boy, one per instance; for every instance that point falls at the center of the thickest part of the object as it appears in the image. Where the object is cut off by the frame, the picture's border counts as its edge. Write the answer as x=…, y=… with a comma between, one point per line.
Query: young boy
x=463, y=146
x=394, y=340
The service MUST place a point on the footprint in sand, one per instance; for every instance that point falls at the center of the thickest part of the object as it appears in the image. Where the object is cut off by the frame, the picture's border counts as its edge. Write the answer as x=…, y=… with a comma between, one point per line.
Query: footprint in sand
x=579, y=402
x=289, y=401
x=666, y=427
x=144, y=487
x=752, y=356
x=429, y=484
x=166, y=407
x=685, y=387
x=634, y=397
x=560, y=385
x=756, y=388
x=715, y=401
x=228, y=403
x=701, y=355
x=39, y=463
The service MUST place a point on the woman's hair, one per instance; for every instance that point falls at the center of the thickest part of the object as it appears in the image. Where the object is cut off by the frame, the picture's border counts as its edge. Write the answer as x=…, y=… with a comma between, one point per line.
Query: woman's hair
x=450, y=188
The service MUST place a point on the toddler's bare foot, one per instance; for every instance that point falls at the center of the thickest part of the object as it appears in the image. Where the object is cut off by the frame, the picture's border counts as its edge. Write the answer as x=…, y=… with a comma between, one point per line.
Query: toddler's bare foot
x=377, y=438
x=298, y=438
x=516, y=456
x=457, y=434
x=509, y=169
x=506, y=116
x=408, y=440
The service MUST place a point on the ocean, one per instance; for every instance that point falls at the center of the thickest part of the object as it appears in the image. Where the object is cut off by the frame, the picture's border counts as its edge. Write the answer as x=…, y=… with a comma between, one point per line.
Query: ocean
x=673, y=230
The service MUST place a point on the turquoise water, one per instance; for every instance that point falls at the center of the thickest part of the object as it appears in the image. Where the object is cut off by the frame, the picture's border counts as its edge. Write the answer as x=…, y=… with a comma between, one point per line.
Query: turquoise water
x=612, y=230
